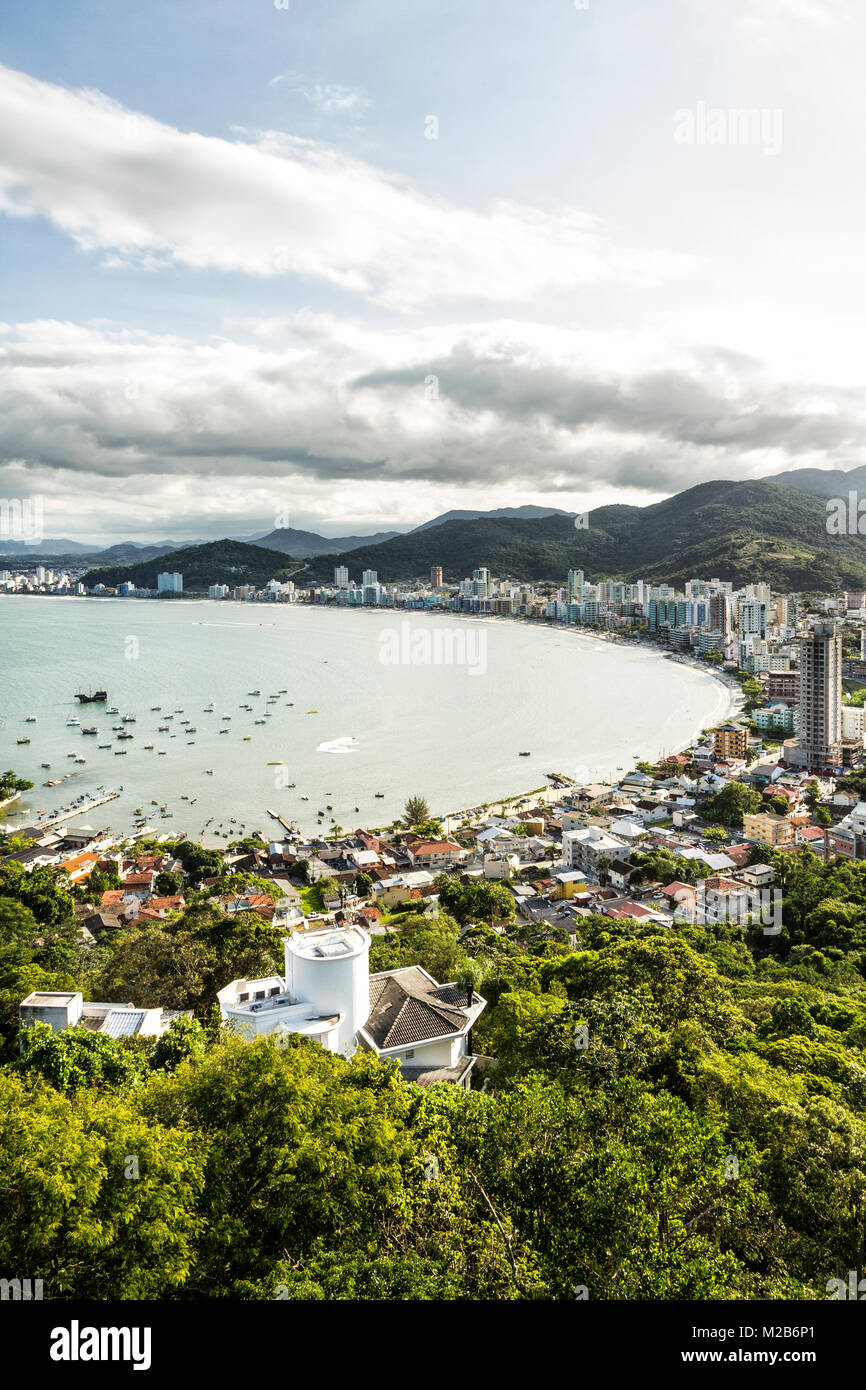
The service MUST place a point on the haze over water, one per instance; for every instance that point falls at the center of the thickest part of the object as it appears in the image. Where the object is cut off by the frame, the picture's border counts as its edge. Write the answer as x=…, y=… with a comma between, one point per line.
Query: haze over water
x=579, y=705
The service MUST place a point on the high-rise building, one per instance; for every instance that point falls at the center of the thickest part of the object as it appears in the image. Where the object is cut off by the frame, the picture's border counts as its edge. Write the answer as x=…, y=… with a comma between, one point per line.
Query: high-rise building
x=341, y=576
x=575, y=585
x=752, y=616
x=169, y=583
x=820, y=698
x=436, y=577
x=719, y=616
x=368, y=579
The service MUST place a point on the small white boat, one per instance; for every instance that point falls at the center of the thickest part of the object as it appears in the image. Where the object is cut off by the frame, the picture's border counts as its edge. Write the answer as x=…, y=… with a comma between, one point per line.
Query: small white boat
x=31, y=719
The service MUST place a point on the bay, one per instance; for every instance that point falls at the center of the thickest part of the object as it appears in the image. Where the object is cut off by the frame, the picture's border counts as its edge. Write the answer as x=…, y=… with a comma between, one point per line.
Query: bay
x=392, y=714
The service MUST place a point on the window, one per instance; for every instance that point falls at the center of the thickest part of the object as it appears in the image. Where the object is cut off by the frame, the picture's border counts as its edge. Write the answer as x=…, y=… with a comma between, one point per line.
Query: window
x=275, y=990
x=409, y=1053
x=242, y=998
x=259, y=994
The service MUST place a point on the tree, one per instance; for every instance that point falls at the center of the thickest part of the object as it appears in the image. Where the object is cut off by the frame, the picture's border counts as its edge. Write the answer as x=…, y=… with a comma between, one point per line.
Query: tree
x=10, y=783
x=75, y=1057
x=415, y=811
x=729, y=804
x=168, y=883
x=183, y=1040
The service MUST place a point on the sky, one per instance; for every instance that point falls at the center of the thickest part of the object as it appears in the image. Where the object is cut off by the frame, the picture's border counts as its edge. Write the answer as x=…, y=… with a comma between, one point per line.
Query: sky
x=348, y=264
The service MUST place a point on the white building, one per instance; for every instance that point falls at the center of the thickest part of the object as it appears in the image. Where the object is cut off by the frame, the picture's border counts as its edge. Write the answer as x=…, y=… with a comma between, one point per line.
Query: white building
x=169, y=583
x=66, y=1009
x=329, y=995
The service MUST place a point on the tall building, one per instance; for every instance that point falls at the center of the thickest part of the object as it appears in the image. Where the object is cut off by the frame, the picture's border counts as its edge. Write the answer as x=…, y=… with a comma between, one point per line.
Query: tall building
x=436, y=577
x=368, y=579
x=752, y=616
x=341, y=576
x=820, y=698
x=169, y=583
x=575, y=585
x=720, y=614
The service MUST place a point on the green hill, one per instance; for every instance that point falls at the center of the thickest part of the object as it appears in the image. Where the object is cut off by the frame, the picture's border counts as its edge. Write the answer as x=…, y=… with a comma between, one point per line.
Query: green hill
x=744, y=532
x=216, y=562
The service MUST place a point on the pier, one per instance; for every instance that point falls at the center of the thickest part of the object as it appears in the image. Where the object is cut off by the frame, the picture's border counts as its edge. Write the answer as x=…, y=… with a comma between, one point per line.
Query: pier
x=66, y=813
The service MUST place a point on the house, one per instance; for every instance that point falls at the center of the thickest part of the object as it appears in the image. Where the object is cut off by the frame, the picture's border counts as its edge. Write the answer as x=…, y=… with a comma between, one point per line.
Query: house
x=758, y=875
x=329, y=996
x=619, y=871
x=389, y=892
x=139, y=885
x=62, y=1009
x=569, y=882
x=435, y=854
x=79, y=866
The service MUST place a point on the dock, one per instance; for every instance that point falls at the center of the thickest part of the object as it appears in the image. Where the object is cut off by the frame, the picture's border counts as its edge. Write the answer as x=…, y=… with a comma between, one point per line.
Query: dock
x=290, y=829
x=88, y=804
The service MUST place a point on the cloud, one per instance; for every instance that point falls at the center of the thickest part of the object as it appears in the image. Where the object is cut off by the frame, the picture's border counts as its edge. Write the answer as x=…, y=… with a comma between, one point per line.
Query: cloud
x=326, y=98
x=499, y=406
x=268, y=204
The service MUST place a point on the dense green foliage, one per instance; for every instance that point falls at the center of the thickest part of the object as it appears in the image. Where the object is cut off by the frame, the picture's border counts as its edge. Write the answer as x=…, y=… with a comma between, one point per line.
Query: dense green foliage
x=216, y=562
x=674, y=1113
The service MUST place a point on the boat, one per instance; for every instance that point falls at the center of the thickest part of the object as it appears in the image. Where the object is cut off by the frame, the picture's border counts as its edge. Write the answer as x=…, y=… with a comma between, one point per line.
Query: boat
x=80, y=760
x=260, y=721
x=128, y=719
x=91, y=697
x=312, y=711
x=247, y=738
x=161, y=753
x=73, y=720
x=23, y=740
x=225, y=731
x=524, y=755
x=305, y=798
x=148, y=746
x=120, y=752
x=254, y=692
x=155, y=708
x=104, y=745
x=380, y=794
x=163, y=729
x=226, y=716
x=357, y=808
x=209, y=771
x=94, y=730
x=113, y=710
x=46, y=764
x=192, y=729
x=125, y=735
x=31, y=719
x=278, y=762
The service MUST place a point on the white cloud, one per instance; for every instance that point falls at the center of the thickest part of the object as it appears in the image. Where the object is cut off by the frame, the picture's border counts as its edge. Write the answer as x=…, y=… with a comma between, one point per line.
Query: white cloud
x=327, y=98
x=267, y=203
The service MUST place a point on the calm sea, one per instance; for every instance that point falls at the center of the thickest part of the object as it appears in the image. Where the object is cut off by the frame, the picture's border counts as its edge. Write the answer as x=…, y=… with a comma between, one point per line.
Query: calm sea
x=392, y=714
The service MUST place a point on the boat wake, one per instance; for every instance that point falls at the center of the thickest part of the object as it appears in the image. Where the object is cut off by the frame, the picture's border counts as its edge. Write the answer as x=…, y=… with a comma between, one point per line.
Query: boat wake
x=339, y=745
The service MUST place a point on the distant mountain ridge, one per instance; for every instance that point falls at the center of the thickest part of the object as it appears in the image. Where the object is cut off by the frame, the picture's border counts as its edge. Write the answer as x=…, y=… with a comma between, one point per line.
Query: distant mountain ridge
x=745, y=532
x=307, y=543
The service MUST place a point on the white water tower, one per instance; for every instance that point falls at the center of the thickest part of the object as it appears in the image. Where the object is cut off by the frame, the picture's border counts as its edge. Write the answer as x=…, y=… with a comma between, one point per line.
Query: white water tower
x=330, y=968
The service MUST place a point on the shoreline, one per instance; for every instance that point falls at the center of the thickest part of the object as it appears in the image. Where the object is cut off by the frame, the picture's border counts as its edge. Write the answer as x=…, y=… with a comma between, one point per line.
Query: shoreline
x=727, y=708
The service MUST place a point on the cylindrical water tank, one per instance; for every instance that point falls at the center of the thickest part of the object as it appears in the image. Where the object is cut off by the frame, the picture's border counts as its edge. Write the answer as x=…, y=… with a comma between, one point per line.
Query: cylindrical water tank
x=330, y=969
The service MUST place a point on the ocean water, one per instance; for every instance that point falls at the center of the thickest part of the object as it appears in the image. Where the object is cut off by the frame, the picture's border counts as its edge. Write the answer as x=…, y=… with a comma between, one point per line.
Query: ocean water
x=404, y=704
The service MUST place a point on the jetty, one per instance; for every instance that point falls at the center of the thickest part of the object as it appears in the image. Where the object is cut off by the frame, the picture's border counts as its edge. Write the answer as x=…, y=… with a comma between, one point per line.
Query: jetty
x=282, y=820
x=79, y=808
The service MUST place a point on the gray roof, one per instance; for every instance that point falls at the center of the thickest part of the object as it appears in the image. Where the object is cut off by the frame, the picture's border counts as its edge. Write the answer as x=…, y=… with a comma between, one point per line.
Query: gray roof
x=407, y=1007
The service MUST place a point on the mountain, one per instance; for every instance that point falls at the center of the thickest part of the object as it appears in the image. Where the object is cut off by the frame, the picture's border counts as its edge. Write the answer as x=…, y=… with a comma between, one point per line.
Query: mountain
x=739, y=531
x=52, y=545
x=306, y=543
x=128, y=552
x=214, y=562
x=527, y=513
x=826, y=482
